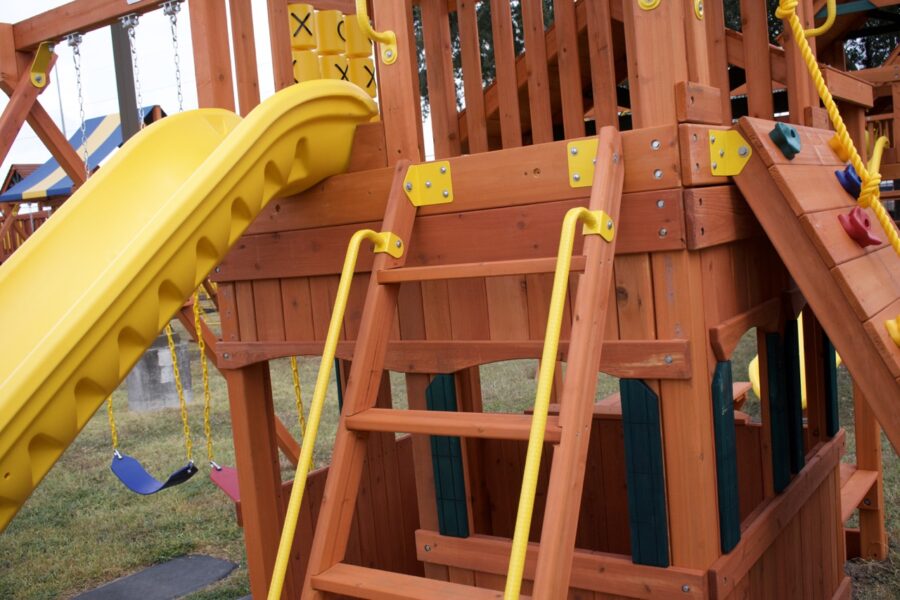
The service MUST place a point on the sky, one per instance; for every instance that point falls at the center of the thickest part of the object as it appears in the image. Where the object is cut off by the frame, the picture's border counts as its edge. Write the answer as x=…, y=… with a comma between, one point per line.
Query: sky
x=155, y=63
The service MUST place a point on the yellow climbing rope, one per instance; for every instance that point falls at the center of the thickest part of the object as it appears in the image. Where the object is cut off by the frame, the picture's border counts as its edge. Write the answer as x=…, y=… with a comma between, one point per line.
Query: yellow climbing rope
x=182, y=403
x=871, y=179
x=204, y=367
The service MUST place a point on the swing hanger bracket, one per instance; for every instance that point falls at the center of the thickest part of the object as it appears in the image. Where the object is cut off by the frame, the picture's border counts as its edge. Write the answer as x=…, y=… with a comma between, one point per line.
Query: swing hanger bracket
x=40, y=66
x=129, y=21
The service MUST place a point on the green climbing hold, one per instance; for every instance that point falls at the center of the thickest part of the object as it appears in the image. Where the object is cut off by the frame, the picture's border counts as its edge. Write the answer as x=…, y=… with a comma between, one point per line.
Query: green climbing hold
x=787, y=139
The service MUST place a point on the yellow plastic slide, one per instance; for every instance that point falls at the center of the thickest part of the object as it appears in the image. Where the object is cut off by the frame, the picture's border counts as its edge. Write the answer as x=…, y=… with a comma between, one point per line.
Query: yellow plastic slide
x=89, y=292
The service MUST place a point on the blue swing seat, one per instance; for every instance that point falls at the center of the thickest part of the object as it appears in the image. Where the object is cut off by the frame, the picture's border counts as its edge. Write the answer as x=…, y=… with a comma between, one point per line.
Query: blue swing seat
x=136, y=478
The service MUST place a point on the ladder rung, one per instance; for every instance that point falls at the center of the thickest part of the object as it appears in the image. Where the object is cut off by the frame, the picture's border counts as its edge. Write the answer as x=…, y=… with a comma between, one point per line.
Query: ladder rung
x=360, y=582
x=855, y=489
x=463, y=424
x=479, y=269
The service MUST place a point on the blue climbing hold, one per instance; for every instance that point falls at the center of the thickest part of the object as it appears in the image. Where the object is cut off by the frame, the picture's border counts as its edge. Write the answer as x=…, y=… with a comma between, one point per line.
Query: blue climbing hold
x=136, y=478
x=849, y=180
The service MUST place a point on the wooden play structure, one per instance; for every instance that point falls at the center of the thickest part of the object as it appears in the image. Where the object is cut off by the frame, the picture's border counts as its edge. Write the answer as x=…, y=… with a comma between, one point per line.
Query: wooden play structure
x=617, y=196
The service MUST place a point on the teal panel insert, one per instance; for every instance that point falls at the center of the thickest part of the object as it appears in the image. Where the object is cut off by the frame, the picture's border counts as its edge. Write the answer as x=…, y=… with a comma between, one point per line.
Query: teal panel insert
x=794, y=396
x=644, y=474
x=337, y=384
x=446, y=460
x=778, y=413
x=726, y=457
x=832, y=419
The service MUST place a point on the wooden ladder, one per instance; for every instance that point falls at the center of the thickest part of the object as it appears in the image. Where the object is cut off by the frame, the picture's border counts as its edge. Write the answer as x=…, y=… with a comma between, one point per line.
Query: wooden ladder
x=570, y=431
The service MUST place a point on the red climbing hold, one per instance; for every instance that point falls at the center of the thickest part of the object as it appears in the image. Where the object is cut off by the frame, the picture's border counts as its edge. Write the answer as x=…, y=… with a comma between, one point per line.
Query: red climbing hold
x=858, y=227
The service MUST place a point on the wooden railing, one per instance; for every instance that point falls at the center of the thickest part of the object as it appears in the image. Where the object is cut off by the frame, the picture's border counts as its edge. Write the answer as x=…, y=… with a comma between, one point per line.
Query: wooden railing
x=19, y=228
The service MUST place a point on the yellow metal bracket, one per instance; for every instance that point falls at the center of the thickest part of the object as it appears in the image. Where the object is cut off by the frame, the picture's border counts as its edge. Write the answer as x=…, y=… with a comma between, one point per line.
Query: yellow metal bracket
x=601, y=224
x=387, y=243
x=41, y=65
x=582, y=156
x=648, y=4
x=429, y=183
x=386, y=39
x=728, y=152
x=698, y=9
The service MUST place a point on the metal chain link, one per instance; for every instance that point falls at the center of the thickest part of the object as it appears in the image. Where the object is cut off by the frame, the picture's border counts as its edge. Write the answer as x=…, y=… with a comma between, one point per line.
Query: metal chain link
x=171, y=9
x=74, y=41
x=130, y=23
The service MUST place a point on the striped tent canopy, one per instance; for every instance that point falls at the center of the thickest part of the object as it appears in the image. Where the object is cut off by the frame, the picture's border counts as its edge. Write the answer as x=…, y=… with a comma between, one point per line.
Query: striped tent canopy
x=104, y=135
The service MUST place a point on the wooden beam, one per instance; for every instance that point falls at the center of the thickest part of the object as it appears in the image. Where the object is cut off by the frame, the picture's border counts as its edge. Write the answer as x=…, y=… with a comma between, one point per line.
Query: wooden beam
x=212, y=54
x=280, y=44
x=244, y=45
x=24, y=96
x=79, y=16
x=492, y=426
x=847, y=87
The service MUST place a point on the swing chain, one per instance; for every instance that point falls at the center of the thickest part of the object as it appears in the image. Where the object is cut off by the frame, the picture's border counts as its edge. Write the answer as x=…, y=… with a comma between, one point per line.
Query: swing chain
x=130, y=23
x=201, y=344
x=74, y=41
x=298, y=398
x=113, y=430
x=171, y=9
x=188, y=443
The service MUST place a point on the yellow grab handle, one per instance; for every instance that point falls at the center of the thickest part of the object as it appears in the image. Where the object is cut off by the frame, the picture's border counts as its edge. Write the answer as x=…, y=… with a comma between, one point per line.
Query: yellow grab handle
x=387, y=39
x=831, y=8
x=594, y=221
x=384, y=242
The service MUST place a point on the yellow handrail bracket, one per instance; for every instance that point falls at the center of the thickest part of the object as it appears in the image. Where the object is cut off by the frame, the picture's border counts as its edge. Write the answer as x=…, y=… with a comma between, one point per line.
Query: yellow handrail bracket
x=386, y=39
x=40, y=66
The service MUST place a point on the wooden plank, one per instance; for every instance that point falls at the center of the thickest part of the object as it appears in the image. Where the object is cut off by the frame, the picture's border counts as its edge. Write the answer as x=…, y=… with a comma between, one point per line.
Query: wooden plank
x=212, y=55
x=870, y=282
x=244, y=44
x=811, y=188
x=596, y=571
x=695, y=159
x=755, y=29
x=814, y=149
x=439, y=74
x=539, y=107
x=716, y=51
x=459, y=424
x=756, y=539
x=725, y=336
x=470, y=56
x=873, y=543
x=717, y=215
x=855, y=489
x=505, y=64
x=636, y=359
x=478, y=269
x=603, y=66
x=569, y=68
x=831, y=240
x=695, y=103
x=360, y=582
x=847, y=88
x=268, y=310
x=280, y=44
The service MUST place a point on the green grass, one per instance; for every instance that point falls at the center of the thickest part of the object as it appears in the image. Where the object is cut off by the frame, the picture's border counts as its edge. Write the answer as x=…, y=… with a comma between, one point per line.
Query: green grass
x=81, y=528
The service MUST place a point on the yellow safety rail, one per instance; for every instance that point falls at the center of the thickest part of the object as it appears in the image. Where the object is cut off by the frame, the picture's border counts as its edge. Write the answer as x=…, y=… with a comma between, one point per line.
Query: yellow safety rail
x=387, y=39
x=384, y=242
x=871, y=179
x=592, y=225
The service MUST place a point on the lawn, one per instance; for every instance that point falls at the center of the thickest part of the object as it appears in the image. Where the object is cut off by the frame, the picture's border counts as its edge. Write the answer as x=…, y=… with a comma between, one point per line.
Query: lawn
x=81, y=528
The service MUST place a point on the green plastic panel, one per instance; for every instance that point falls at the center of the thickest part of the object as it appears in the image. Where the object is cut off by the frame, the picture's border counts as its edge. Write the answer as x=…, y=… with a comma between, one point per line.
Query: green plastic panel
x=644, y=474
x=726, y=457
x=446, y=460
x=794, y=396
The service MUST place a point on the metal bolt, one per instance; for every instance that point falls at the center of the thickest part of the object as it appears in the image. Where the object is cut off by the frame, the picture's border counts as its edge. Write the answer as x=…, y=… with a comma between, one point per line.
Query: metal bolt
x=655, y=144
x=743, y=151
x=38, y=78
x=660, y=203
x=715, y=166
x=428, y=184
x=609, y=224
x=226, y=356
x=443, y=170
x=576, y=176
x=409, y=186
x=218, y=269
x=668, y=359
x=663, y=232
x=616, y=157
x=657, y=174
x=389, y=54
x=867, y=502
x=594, y=161
x=574, y=151
x=427, y=548
x=721, y=153
x=398, y=243
x=445, y=193
x=685, y=588
x=712, y=139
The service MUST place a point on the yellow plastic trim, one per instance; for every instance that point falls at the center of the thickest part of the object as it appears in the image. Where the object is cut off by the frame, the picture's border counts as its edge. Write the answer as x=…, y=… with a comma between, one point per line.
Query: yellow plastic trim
x=387, y=39
x=41, y=65
x=581, y=155
x=893, y=328
x=831, y=8
x=698, y=9
x=648, y=4
x=728, y=152
x=383, y=241
x=542, y=398
x=429, y=183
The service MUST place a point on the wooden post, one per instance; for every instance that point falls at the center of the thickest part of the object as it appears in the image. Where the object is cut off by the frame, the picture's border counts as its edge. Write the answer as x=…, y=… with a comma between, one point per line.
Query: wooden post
x=259, y=472
x=212, y=54
x=16, y=112
x=441, y=82
x=280, y=42
x=801, y=93
x=244, y=44
x=872, y=535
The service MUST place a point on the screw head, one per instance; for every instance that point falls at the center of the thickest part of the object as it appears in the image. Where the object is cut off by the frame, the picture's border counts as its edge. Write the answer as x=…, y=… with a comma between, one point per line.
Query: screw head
x=685, y=588
x=657, y=174
x=39, y=78
x=574, y=151
x=655, y=144
x=721, y=153
x=743, y=151
x=663, y=232
x=660, y=203
x=409, y=186
x=445, y=193
x=576, y=177
x=668, y=359
x=389, y=54
x=616, y=157
x=226, y=356
x=609, y=224
x=428, y=184
x=712, y=139
x=218, y=269
x=443, y=170
x=715, y=166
